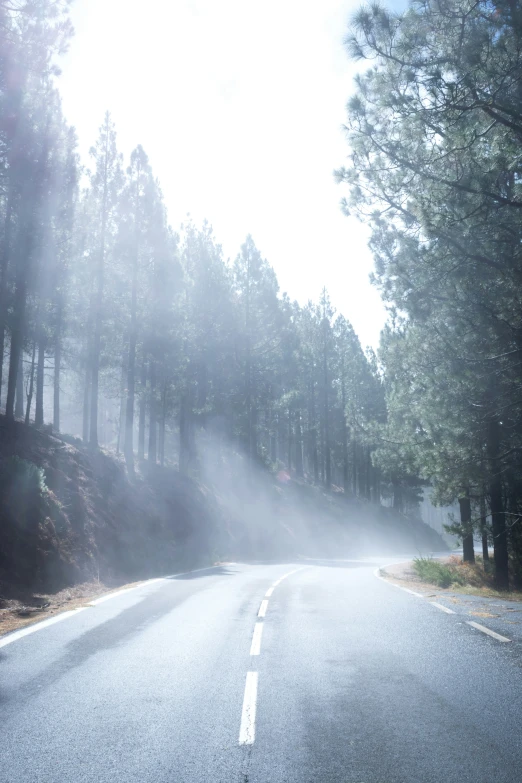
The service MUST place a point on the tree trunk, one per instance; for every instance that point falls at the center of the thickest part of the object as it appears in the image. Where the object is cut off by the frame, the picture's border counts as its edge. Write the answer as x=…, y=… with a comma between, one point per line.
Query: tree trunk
x=141, y=420
x=289, y=441
x=298, y=446
x=131, y=369
x=468, y=551
x=19, y=404
x=327, y=454
x=39, y=412
x=17, y=335
x=30, y=198
x=346, y=479
x=183, y=436
x=95, y=383
x=483, y=530
x=368, y=474
x=121, y=419
x=163, y=424
x=31, y=386
x=273, y=438
x=398, y=502
x=354, y=467
x=498, y=519
x=57, y=369
x=86, y=397
x=4, y=267
x=377, y=486
x=98, y=306
x=152, y=455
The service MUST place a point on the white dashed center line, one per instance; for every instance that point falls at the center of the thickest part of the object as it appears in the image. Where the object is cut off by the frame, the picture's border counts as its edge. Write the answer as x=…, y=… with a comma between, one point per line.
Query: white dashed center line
x=247, y=731
x=489, y=632
x=263, y=608
x=256, y=639
x=442, y=608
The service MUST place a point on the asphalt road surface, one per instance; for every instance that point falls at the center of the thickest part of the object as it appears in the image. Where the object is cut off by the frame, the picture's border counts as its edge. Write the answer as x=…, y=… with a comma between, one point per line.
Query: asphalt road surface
x=261, y=674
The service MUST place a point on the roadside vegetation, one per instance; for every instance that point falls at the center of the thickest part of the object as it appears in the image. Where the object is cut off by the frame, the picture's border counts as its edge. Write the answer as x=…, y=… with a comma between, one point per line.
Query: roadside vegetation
x=434, y=129
x=476, y=578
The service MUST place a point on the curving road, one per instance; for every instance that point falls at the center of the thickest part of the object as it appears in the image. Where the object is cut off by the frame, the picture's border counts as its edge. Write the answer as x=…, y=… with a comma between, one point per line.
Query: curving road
x=261, y=674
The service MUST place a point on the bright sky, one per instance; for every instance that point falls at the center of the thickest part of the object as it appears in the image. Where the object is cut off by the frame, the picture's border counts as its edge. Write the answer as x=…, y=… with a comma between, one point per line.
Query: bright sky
x=239, y=106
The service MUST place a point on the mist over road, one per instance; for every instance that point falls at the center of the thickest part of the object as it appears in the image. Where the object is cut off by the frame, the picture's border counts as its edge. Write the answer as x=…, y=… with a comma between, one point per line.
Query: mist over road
x=261, y=673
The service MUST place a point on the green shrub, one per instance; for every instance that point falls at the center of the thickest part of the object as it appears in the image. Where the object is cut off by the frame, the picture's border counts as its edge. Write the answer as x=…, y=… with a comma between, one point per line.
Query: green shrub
x=23, y=494
x=436, y=572
x=22, y=475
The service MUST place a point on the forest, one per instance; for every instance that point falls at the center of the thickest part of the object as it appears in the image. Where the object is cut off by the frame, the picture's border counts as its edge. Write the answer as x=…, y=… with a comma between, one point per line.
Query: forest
x=141, y=337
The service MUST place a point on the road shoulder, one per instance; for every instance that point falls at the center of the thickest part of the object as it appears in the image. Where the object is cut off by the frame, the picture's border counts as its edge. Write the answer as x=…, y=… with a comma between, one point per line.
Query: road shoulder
x=498, y=612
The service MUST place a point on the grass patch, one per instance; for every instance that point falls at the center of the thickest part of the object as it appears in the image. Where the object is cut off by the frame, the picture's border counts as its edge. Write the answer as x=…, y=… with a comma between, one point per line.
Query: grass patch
x=437, y=573
x=468, y=578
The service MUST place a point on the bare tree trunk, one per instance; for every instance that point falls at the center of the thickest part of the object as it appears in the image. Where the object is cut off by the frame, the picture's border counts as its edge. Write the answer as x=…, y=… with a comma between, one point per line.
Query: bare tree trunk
x=57, y=369
x=183, y=436
x=273, y=437
x=327, y=454
x=298, y=446
x=498, y=519
x=31, y=197
x=19, y=403
x=468, y=554
x=163, y=423
x=31, y=386
x=122, y=404
x=346, y=480
x=483, y=530
x=17, y=333
x=398, y=502
x=133, y=339
x=354, y=467
x=143, y=396
x=86, y=398
x=39, y=413
x=152, y=454
x=290, y=441
x=4, y=266
x=98, y=306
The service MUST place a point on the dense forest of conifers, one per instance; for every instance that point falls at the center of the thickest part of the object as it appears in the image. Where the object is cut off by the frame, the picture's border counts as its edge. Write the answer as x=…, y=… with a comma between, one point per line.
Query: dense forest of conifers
x=435, y=134
x=146, y=339
x=139, y=337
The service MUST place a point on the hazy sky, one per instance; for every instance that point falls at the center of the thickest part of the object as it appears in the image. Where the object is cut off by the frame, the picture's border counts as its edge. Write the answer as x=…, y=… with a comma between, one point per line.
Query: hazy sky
x=239, y=106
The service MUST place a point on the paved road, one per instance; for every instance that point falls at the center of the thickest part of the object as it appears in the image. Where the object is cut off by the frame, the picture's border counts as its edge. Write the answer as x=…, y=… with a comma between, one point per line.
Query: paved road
x=350, y=681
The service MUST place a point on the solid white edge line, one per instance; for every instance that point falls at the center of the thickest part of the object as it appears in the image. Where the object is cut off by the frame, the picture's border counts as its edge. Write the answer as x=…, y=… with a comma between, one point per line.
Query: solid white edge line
x=255, y=648
x=263, y=608
x=108, y=596
x=441, y=607
x=473, y=624
x=247, y=731
x=392, y=584
x=15, y=635
x=489, y=632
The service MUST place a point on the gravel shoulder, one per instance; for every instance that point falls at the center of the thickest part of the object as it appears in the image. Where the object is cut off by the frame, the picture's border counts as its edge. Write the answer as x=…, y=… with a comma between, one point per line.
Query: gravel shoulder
x=19, y=608
x=498, y=611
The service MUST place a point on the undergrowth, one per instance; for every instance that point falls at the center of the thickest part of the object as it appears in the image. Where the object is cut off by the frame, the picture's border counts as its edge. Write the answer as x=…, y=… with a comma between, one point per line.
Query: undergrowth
x=435, y=572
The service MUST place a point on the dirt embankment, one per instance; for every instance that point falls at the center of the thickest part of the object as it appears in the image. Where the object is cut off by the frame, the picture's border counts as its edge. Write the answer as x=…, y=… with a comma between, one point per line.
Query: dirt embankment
x=71, y=516
x=73, y=525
